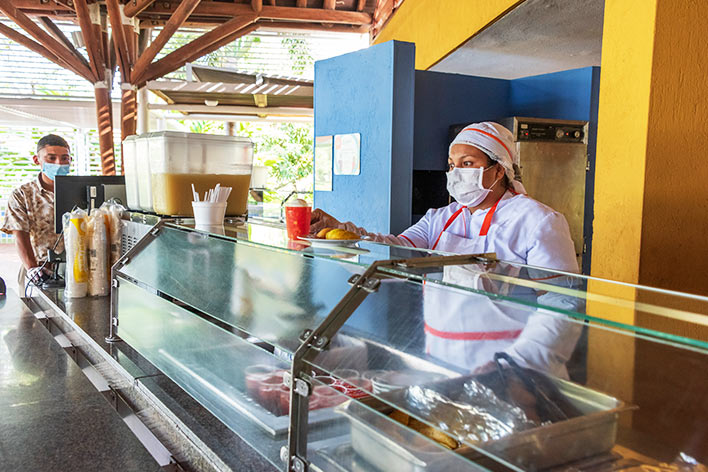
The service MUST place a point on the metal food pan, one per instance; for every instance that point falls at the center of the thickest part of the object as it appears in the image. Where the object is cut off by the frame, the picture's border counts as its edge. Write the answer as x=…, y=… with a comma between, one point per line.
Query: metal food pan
x=374, y=437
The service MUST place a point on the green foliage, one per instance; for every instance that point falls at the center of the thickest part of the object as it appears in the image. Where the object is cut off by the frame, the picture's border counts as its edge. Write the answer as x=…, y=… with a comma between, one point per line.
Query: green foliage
x=206, y=126
x=290, y=152
x=299, y=52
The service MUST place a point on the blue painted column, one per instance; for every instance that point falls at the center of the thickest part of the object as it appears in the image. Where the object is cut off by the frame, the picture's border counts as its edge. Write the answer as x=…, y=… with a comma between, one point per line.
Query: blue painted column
x=370, y=92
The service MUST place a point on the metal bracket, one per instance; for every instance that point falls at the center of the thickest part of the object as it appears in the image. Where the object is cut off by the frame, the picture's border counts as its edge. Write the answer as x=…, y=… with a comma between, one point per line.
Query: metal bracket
x=370, y=284
x=114, y=283
x=155, y=231
x=299, y=465
x=318, y=343
x=302, y=387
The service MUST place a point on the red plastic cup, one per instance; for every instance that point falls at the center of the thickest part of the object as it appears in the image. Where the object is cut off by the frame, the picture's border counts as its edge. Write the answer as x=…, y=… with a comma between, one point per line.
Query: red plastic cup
x=297, y=219
x=357, y=387
x=330, y=397
x=255, y=374
x=284, y=400
x=269, y=393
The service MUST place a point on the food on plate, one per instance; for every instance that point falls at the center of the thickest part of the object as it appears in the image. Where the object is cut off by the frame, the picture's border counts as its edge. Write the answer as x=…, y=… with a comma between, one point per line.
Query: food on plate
x=341, y=234
x=323, y=232
x=433, y=433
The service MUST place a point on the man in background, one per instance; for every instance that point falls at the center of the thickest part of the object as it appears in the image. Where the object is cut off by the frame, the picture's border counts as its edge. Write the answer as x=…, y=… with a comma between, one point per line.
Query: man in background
x=30, y=209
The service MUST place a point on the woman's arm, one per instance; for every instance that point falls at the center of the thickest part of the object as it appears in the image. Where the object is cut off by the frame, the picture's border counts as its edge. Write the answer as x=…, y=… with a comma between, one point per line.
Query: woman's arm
x=415, y=236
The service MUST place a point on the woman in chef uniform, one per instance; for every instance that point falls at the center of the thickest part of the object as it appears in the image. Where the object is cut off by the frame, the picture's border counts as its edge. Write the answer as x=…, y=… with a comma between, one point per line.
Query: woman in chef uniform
x=491, y=214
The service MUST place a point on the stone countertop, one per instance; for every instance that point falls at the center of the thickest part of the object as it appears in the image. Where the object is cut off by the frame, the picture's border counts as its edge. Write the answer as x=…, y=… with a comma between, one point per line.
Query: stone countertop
x=52, y=417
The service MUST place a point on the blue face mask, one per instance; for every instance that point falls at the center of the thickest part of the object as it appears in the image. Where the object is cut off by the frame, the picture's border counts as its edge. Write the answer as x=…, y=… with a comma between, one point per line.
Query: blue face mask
x=52, y=170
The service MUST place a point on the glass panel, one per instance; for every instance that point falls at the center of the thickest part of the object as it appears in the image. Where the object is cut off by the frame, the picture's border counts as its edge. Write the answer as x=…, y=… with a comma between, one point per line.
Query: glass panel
x=524, y=384
x=365, y=437
x=274, y=236
x=272, y=295
x=650, y=311
x=218, y=369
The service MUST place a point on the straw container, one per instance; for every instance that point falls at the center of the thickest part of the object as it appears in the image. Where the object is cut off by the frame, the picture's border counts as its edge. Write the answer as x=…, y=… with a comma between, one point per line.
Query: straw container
x=209, y=213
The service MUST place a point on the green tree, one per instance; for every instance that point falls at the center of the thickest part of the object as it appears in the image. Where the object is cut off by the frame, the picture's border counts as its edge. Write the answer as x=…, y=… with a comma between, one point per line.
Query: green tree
x=290, y=151
x=299, y=52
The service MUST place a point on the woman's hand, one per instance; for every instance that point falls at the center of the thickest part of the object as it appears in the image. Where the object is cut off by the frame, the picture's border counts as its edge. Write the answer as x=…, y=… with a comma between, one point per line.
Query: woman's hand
x=320, y=220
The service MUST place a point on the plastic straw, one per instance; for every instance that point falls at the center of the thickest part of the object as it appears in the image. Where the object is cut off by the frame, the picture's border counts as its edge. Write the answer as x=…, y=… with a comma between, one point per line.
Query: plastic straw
x=195, y=194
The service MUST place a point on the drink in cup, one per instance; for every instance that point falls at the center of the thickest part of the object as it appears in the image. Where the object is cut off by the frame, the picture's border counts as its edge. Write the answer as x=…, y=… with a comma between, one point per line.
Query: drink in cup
x=297, y=218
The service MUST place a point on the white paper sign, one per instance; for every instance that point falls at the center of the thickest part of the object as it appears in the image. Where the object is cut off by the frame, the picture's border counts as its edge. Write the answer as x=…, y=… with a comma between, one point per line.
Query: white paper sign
x=323, y=163
x=347, y=154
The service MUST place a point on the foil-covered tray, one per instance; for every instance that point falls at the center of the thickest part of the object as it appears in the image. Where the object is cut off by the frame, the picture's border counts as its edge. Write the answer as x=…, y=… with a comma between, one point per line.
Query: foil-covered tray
x=383, y=442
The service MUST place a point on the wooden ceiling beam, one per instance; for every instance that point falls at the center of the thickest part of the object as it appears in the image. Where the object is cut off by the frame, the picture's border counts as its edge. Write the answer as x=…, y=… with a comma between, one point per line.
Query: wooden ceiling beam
x=256, y=5
x=297, y=25
x=39, y=5
x=173, y=24
x=34, y=46
x=329, y=4
x=54, y=30
x=200, y=46
x=360, y=5
x=92, y=42
x=232, y=10
x=43, y=38
x=120, y=42
x=272, y=2
x=134, y=7
x=301, y=3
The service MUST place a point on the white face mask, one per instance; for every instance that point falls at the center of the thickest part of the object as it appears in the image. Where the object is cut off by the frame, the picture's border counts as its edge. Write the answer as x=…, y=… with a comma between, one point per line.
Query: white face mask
x=465, y=185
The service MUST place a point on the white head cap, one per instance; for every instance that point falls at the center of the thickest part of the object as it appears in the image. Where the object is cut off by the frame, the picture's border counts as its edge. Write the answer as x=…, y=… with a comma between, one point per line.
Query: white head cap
x=494, y=140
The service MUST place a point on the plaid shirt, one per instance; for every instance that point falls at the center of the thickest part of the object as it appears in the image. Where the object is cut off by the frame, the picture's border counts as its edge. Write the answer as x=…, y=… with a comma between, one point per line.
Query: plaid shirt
x=31, y=209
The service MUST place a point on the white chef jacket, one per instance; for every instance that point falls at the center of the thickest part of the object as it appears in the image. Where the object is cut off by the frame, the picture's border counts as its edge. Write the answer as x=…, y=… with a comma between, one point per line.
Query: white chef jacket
x=522, y=230
x=466, y=329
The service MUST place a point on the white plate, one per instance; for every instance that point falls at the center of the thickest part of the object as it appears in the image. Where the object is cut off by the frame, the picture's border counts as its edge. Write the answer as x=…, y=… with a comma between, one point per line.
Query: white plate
x=330, y=242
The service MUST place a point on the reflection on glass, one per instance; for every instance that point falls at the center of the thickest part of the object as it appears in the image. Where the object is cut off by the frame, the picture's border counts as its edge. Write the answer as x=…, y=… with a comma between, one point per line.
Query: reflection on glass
x=467, y=329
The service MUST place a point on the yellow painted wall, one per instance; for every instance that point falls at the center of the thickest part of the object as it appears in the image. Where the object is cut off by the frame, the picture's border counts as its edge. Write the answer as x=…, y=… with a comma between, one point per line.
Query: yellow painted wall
x=437, y=27
x=675, y=215
x=623, y=121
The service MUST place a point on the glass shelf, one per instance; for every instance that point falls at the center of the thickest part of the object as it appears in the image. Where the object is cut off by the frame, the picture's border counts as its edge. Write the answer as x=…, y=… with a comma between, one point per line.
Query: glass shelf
x=623, y=366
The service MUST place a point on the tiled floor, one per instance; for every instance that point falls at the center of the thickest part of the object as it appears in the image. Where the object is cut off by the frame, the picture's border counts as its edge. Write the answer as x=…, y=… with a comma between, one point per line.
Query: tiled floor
x=9, y=265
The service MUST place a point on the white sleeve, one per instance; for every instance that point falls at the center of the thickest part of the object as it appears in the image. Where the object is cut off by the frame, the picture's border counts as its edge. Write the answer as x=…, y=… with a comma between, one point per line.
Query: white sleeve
x=548, y=339
x=416, y=236
x=550, y=245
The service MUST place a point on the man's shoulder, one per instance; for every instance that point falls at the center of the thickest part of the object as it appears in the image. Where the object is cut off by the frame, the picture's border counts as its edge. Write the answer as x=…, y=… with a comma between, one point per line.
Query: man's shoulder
x=27, y=188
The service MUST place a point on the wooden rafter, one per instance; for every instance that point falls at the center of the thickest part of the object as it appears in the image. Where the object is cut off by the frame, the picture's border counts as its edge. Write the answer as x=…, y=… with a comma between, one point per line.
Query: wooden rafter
x=329, y=4
x=301, y=3
x=41, y=36
x=298, y=25
x=36, y=47
x=257, y=5
x=176, y=20
x=134, y=7
x=360, y=5
x=196, y=48
x=272, y=2
x=91, y=40
x=120, y=44
x=54, y=30
x=232, y=10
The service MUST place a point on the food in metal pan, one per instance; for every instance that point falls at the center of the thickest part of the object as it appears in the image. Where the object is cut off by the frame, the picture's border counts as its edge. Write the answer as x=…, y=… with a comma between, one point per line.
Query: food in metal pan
x=433, y=433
